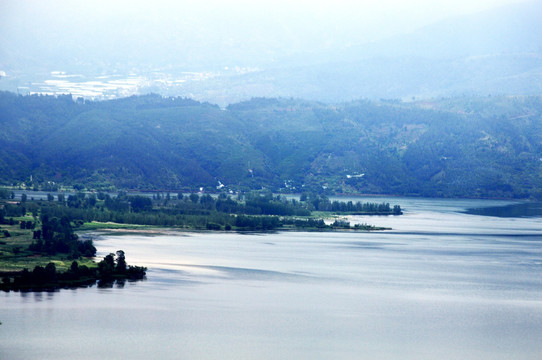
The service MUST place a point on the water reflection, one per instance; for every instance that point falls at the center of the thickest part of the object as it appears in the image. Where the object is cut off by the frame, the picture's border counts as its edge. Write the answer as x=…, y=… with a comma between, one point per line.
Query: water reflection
x=109, y=284
x=528, y=209
x=43, y=295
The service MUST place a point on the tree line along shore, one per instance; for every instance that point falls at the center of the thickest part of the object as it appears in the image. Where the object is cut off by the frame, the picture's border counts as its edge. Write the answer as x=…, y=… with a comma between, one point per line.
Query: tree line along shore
x=42, y=234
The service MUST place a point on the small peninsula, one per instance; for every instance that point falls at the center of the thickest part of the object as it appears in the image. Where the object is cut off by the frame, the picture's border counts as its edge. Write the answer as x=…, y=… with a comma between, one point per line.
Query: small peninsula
x=41, y=250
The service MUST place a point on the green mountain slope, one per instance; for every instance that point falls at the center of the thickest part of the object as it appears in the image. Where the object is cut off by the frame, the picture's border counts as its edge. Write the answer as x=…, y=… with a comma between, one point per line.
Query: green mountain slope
x=462, y=147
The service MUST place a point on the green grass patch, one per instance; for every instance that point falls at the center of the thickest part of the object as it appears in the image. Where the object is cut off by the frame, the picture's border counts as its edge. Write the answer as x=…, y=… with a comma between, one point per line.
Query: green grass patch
x=23, y=218
x=17, y=263
x=323, y=215
x=14, y=255
x=95, y=225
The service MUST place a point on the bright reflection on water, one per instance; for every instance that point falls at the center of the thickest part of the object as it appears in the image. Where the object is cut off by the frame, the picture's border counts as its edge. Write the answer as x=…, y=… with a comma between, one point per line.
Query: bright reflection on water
x=441, y=285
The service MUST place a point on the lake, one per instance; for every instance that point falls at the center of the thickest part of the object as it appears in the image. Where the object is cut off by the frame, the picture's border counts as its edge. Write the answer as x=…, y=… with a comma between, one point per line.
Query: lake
x=443, y=284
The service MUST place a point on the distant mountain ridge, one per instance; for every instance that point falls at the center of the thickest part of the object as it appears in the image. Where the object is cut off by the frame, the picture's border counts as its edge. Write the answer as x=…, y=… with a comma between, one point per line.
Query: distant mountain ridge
x=457, y=147
x=495, y=52
x=510, y=29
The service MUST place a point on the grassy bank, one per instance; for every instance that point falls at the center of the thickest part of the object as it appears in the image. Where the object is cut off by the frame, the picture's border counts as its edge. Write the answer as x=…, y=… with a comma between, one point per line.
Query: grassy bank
x=96, y=225
x=15, y=256
x=39, y=232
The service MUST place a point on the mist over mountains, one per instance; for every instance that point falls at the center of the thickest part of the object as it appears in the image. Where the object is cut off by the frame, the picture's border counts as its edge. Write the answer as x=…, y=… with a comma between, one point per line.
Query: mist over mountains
x=490, y=53
x=494, y=52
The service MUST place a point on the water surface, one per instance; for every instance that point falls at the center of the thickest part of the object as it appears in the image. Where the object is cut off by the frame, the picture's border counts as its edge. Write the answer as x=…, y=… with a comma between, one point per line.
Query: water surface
x=442, y=284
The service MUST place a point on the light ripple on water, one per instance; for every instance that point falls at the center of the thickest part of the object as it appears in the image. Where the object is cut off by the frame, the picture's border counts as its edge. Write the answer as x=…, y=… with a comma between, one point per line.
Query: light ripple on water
x=442, y=285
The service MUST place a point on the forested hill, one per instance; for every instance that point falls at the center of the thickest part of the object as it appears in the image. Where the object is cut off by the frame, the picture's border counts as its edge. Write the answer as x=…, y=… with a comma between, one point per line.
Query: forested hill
x=461, y=147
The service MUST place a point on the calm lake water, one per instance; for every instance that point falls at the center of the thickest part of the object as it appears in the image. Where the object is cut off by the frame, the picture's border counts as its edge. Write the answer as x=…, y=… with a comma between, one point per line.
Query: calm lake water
x=443, y=284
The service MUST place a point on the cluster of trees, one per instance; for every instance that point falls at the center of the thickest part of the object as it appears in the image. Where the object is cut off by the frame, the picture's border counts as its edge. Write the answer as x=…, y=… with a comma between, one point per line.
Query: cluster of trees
x=4, y=193
x=57, y=236
x=253, y=211
x=12, y=210
x=322, y=203
x=30, y=225
x=109, y=269
x=54, y=221
x=306, y=223
x=4, y=233
x=269, y=205
x=365, y=208
x=112, y=267
x=265, y=223
x=6, y=213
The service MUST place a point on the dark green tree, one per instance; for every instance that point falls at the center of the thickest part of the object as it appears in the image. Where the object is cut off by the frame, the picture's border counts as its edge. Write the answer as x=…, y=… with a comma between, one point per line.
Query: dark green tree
x=50, y=272
x=121, y=262
x=74, y=267
x=194, y=198
x=140, y=203
x=106, y=267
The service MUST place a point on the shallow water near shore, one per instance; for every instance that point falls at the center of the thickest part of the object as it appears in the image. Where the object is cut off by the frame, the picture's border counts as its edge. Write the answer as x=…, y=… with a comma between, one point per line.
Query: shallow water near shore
x=443, y=284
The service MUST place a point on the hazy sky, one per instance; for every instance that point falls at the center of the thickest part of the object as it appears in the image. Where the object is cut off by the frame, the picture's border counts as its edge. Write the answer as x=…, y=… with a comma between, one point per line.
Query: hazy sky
x=356, y=20
x=97, y=37
x=236, y=30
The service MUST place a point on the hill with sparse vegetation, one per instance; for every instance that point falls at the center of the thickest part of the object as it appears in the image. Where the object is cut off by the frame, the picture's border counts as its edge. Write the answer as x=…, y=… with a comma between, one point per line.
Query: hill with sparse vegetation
x=456, y=147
